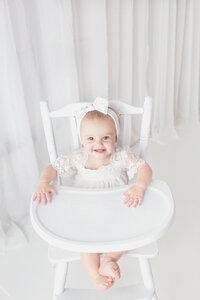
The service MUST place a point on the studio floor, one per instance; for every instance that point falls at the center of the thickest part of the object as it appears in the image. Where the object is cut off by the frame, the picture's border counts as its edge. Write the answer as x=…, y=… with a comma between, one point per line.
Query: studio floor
x=26, y=274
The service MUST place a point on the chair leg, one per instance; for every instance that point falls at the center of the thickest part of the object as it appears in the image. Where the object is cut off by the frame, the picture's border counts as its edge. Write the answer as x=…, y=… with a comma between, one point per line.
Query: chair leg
x=147, y=276
x=60, y=278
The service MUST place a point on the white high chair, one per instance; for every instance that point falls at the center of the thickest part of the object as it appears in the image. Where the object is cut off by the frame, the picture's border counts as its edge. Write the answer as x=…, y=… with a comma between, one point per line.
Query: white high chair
x=65, y=224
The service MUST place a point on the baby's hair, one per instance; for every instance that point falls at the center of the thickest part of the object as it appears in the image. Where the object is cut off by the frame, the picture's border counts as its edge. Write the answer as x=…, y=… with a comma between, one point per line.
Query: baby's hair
x=99, y=115
x=95, y=114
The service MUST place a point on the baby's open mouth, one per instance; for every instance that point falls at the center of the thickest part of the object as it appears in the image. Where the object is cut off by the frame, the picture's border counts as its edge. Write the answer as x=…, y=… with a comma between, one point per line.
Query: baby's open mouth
x=99, y=150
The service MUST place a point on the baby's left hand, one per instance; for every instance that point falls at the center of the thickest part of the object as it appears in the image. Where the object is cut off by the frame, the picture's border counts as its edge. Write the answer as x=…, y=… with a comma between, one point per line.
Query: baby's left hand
x=134, y=196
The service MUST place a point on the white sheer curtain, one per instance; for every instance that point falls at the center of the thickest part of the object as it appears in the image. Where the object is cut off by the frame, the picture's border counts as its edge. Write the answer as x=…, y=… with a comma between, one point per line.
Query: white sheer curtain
x=62, y=51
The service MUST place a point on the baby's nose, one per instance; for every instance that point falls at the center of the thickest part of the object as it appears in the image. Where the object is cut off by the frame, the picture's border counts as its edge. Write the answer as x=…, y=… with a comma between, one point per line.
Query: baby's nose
x=99, y=142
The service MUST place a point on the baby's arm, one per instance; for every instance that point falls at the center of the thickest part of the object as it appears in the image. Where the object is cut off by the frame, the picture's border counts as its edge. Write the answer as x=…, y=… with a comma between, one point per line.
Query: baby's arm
x=135, y=194
x=44, y=190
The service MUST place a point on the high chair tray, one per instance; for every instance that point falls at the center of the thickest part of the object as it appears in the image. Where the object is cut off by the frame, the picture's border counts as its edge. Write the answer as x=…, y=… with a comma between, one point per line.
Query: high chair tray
x=96, y=220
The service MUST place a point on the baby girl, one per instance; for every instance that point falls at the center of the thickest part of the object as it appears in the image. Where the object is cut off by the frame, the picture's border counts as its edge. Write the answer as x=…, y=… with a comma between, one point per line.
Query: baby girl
x=100, y=163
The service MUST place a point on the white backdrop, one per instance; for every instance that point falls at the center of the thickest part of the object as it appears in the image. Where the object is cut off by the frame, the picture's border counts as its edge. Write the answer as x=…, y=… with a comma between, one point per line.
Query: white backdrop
x=62, y=51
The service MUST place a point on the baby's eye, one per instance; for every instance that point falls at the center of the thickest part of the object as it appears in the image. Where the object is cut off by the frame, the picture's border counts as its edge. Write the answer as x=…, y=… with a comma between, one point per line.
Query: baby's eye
x=106, y=137
x=90, y=138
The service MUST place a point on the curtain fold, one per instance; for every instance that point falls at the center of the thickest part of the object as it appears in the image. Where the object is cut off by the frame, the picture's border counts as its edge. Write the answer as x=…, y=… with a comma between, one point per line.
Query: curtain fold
x=63, y=51
x=90, y=23
x=17, y=147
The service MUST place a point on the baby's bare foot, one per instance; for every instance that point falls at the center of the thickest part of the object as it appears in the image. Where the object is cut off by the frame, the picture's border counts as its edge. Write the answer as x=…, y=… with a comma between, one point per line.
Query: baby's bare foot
x=102, y=283
x=109, y=268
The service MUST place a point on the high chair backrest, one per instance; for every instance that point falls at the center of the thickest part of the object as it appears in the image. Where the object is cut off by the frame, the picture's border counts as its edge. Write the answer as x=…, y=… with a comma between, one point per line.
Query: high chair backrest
x=69, y=111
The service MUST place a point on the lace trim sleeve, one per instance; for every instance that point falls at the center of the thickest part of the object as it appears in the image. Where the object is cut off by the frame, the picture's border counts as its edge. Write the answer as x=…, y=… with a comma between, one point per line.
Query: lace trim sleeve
x=132, y=163
x=64, y=165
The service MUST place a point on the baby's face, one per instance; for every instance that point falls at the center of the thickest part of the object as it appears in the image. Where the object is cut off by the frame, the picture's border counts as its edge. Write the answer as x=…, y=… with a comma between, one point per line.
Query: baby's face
x=98, y=137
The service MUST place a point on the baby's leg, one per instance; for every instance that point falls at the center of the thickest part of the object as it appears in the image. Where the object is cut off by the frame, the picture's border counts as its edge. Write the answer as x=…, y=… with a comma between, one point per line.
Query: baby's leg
x=109, y=266
x=91, y=262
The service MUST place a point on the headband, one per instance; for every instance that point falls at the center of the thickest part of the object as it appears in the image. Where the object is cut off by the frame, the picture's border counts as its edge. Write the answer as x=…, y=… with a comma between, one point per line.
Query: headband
x=101, y=105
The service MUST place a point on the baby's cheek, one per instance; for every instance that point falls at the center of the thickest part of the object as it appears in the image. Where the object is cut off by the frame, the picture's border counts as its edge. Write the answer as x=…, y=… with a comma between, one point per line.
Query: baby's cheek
x=87, y=148
x=111, y=146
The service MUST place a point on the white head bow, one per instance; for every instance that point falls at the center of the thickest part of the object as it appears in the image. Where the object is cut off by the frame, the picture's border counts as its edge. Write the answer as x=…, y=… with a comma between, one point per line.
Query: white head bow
x=101, y=105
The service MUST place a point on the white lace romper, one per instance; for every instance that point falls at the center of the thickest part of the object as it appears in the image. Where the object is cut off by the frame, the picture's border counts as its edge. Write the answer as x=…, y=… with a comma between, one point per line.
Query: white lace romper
x=122, y=168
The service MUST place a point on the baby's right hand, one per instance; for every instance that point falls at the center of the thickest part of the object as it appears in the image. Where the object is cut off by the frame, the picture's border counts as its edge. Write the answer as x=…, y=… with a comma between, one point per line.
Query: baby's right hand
x=43, y=193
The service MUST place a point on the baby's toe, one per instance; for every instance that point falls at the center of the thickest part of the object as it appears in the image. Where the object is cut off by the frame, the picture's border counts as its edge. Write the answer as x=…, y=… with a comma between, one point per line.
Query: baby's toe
x=116, y=271
x=111, y=279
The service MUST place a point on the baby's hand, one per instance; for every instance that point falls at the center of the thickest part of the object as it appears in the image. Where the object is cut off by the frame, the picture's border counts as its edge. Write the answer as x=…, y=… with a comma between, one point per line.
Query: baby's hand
x=134, y=196
x=43, y=193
